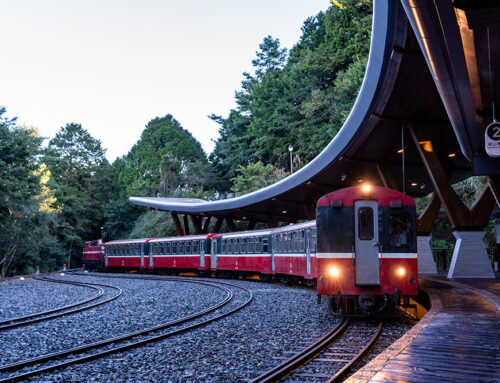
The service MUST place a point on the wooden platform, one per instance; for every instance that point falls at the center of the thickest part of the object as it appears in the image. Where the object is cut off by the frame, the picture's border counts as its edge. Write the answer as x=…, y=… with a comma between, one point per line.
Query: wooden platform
x=458, y=340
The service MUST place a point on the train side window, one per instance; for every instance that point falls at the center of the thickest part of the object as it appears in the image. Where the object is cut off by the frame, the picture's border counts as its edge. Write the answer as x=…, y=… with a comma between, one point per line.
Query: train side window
x=243, y=245
x=180, y=247
x=251, y=245
x=265, y=245
x=196, y=247
x=236, y=245
x=187, y=247
x=258, y=245
x=400, y=230
x=174, y=247
x=224, y=247
x=365, y=223
x=230, y=246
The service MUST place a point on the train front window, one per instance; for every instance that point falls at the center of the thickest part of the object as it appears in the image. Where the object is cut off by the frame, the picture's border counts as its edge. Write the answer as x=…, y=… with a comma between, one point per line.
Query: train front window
x=400, y=230
x=365, y=223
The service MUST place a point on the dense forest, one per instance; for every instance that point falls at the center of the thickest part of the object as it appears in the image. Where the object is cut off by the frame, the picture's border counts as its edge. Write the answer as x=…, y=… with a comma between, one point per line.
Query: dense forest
x=54, y=197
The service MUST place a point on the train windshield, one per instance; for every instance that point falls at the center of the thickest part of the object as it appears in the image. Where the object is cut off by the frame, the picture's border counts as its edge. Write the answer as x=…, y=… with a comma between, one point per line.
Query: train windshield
x=400, y=230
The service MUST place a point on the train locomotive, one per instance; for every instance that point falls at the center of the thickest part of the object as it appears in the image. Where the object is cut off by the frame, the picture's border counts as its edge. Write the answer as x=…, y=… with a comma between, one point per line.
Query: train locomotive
x=360, y=251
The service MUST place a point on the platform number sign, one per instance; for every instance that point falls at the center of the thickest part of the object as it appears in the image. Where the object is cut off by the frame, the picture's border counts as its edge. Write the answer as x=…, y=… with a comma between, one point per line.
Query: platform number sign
x=492, y=139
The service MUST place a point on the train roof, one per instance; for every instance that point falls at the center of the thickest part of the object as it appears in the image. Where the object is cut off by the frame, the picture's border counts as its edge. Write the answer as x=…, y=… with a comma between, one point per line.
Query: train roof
x=297, y=226
x=184, y=238
x=126, y=241
x=248, y=233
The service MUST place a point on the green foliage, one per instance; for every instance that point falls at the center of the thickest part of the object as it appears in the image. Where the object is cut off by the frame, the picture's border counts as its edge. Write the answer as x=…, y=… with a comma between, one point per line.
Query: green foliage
x=256, y=176
x=153, y=223
x=154, y=164
x=81, y=184
x=25, y=237
x=302, y=100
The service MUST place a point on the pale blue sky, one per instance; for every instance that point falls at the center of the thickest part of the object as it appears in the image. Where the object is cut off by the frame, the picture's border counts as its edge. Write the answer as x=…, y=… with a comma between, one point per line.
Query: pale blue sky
x=113, y=65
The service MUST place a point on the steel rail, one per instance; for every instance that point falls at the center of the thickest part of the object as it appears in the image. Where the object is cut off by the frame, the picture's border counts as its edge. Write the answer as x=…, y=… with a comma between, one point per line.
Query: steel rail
x=284, y=369
x=134, y=344
x=358, y=357
x=33, y=318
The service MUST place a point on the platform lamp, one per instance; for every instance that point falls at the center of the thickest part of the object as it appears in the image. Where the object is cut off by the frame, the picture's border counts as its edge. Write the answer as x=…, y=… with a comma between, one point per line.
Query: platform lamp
x=290, y=149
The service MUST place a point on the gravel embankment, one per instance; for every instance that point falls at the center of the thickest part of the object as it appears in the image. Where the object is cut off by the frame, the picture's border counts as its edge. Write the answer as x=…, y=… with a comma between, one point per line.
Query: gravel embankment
x=31, y=296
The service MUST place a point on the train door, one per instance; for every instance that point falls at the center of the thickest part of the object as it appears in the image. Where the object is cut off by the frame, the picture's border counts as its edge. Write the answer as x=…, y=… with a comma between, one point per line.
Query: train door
x=367, y=242
x=307, y=240
x=151, y=247
x=213, y=254
x=141, y=249
x=202, y=254
x=273, y=249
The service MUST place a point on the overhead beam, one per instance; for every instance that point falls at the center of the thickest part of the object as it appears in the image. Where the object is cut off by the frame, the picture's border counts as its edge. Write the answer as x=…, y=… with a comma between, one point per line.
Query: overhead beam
x=494, y=184
x=457, y=212
x=177, y=223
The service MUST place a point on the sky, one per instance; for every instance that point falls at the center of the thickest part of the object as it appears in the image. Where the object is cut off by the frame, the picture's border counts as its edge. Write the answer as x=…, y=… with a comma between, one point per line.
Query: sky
x=113, y=65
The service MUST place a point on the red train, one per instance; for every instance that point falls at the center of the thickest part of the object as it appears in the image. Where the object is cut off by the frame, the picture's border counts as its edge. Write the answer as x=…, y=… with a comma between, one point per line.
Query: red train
x=361, y=250
x=93, y=255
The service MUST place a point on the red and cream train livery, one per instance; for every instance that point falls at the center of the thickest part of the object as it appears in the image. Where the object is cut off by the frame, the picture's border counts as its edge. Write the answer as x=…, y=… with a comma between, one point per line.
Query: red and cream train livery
x=361, y=250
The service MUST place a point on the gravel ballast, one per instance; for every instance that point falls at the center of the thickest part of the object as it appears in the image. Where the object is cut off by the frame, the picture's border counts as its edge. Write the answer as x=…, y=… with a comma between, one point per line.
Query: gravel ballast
x=30, y=296
x=280, y=320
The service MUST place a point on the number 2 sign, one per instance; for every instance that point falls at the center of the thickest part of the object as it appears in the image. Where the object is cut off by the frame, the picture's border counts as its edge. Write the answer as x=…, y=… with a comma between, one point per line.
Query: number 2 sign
x=492, y=139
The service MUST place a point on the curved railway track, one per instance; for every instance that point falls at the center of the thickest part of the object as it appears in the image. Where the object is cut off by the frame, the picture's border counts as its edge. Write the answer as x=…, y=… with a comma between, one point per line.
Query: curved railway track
x=136, y=338
x=333, y=355
x=62, y=310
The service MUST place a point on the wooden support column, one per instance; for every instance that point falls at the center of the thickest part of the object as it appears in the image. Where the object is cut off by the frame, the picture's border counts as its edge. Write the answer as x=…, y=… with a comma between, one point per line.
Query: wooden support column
x=494, y=183
x=230, y=224
x=206, y=224
x=425, y=221
x=457, y=212
x=480, y=211
x=218, y=224
x=386, y=177
x=251, y=224
x=195, y=219
x=177, y=223
x=186, y=224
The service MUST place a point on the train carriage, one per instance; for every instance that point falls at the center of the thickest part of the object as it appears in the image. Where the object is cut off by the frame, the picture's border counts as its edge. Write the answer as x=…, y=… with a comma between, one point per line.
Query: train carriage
x=367, y=248
x=180, y=253
x=126, y=254
x=294, y=250
x=361, y=250
x=247, y=251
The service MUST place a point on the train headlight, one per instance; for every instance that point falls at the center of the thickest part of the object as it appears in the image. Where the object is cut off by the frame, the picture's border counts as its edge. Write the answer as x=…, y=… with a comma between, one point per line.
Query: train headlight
x=366, y=188
x=401, y=272
x=334, y=272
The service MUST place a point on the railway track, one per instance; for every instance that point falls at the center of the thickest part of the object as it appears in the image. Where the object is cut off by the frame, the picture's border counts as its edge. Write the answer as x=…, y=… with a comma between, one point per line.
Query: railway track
x=138, y=338
x=62, y=310
x=330, y=358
